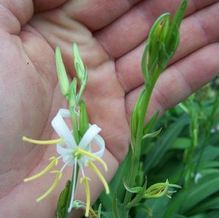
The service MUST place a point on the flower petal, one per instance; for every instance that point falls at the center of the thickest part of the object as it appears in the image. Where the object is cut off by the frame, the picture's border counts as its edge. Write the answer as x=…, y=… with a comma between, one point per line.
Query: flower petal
x=61, y=128
x=66, y=154
x=62, y=150
x=68, y=160
x=89, y=135
x=99, y=141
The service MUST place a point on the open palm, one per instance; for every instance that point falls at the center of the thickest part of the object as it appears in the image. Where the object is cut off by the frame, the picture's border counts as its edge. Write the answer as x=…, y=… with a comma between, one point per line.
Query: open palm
x=110, y=35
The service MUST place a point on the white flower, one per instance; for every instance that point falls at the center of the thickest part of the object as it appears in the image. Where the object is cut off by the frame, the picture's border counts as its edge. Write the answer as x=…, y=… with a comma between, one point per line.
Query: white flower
x=73, y=155
x=69, y=146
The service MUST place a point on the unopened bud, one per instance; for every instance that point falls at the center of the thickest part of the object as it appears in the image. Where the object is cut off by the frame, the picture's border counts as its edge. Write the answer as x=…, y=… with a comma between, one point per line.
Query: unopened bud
x=61, y=72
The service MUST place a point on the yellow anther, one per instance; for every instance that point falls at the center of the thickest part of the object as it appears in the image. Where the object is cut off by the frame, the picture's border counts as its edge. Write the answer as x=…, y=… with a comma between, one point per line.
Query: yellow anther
x=101, y=177
x=84, y=180
x=52, y=187
x=42, y=142
x=89, y=154
x=54, y=162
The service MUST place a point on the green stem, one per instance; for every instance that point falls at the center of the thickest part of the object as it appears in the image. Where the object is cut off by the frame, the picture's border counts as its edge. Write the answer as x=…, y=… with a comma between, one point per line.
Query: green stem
x=71, y=188
x=135, y=200
x=135, y=157
x=207, y=134
x=75, y=124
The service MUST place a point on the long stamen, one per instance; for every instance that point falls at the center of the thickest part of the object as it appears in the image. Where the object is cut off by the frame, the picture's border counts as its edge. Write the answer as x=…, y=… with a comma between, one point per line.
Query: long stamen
x=52, y=187
x=42, y=142
x=89, y=154
x=101, y=177
x=54, y=162
x=84, y=180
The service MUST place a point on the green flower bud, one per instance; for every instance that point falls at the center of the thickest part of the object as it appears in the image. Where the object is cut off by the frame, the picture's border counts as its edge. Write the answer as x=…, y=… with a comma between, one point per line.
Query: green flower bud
x=73, y=93
x=78, y=63
x=160, y=189
x=61, y=72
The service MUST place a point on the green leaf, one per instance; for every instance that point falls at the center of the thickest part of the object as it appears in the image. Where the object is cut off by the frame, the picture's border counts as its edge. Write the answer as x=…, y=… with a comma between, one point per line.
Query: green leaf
x=174, y=206
x=209, y=164
x=116, y=185
x=164, y=143
x=181, y=143
x=118, y=209
x=63, y=202
x=152, y=134
x=157, y=206
x=173, y=34
x=200, y=191
x=73, y=93
x=142, y=211
x=144, y=62
x=213, y=214
x=192, y=196
x=151, y=123
x=136, y=200
x=107, y=214
x=199, y=216
x=210, y=204
x=115, y=209
x=210, y=153
x=136, y=117
x=179, y=14
x=99, y=211
x=83, y=119
x=136, y=189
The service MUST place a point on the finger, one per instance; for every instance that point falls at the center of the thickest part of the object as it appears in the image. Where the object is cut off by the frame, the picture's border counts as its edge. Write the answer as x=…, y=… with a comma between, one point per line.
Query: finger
x=131, y=29
x=180, y=80
x=14, y=14
x=26, y=95
x=42, y=5
x=105, y=104
x=96, y=14
x=197, y=31
x=60, y=30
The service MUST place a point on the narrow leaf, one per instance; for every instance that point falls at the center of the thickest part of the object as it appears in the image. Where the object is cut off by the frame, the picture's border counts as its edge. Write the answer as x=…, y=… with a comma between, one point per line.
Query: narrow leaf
x=152, y=134
x=63, y=202
x=133, y=189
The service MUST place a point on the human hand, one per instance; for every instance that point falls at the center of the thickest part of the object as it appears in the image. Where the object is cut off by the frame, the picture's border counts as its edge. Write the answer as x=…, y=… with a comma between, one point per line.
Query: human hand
x=110, y=35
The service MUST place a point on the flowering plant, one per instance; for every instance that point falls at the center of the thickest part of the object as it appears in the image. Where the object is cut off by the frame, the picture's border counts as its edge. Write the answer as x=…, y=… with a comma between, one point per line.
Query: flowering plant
x=131, y=189
x=78, y=147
